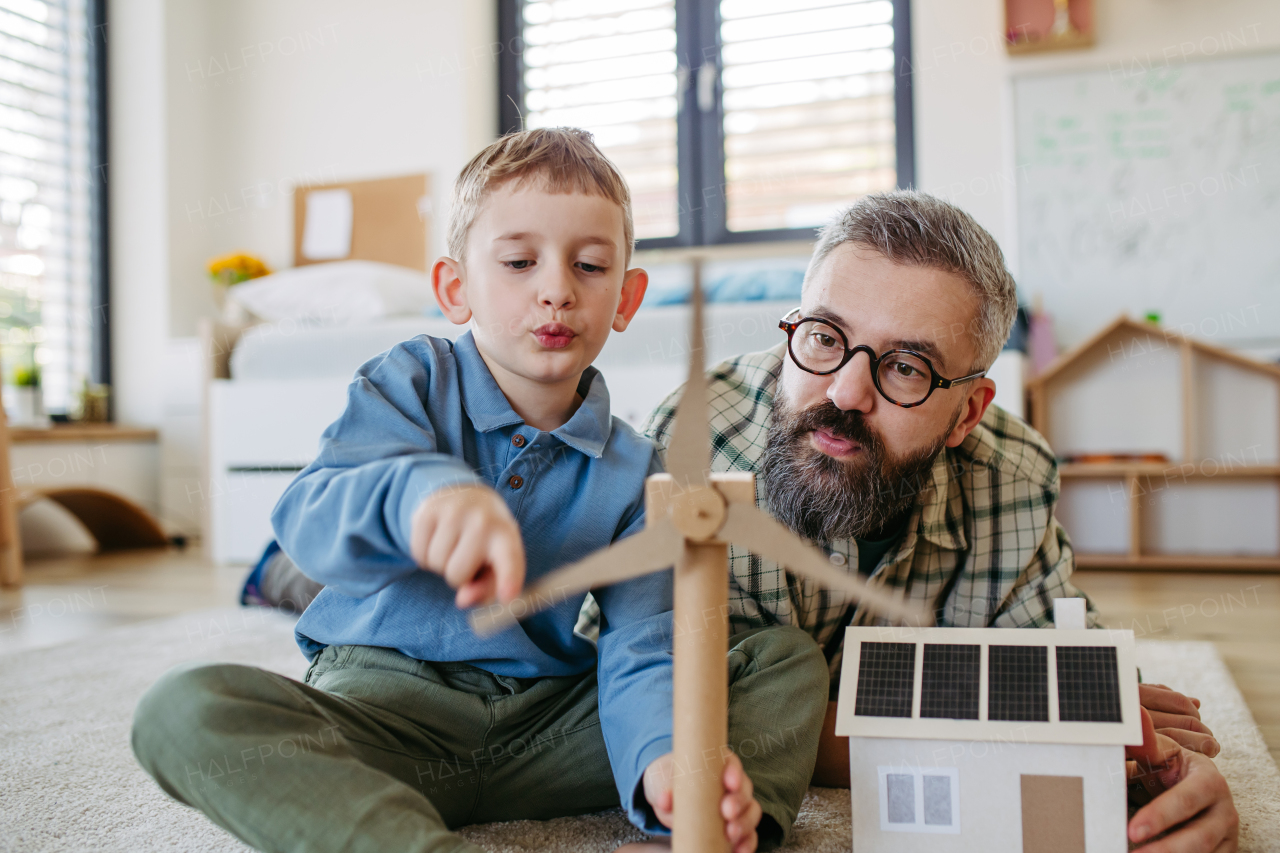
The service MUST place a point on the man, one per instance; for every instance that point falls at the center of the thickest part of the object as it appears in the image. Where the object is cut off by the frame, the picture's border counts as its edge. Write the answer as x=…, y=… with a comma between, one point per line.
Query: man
x=871, y=433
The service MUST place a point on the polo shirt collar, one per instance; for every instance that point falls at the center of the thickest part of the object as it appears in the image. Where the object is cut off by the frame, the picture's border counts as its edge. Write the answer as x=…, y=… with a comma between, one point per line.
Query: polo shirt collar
x=588, y=430
x=487, y=407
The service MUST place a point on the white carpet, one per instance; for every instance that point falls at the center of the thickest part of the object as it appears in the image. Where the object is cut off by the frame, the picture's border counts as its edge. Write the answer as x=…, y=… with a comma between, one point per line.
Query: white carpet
x=69, y=781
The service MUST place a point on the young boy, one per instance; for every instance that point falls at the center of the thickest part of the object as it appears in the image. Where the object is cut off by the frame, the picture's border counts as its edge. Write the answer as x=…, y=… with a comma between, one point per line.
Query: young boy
x=457, y=470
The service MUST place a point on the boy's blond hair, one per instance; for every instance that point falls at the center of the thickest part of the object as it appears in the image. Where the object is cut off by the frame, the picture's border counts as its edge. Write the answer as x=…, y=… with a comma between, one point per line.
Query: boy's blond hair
x=566, y=160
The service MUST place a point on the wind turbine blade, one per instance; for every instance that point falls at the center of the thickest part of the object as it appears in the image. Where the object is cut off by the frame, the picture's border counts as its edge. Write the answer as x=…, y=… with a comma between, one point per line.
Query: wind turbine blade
x=689, y=453
x=656, y=547
x=757, y=531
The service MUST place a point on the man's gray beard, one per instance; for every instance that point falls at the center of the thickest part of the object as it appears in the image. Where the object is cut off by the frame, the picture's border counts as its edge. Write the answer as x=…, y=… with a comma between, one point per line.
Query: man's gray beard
x=825, y=499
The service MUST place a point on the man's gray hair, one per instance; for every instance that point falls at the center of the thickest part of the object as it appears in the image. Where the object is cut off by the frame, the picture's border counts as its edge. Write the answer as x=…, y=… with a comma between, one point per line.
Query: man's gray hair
x=916, y=229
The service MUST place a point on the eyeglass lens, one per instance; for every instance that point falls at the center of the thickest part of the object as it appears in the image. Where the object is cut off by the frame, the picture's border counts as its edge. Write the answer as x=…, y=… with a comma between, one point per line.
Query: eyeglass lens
x=819, y=347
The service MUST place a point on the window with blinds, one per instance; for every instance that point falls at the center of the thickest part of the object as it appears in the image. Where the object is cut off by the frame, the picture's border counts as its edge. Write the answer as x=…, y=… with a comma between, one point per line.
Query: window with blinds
x=808, y=108
x=609, y=66
x=732, y=119
x=45, y=196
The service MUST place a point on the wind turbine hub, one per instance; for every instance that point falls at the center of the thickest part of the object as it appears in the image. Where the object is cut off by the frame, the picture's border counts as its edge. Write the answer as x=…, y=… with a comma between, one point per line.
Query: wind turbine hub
x=698, y=512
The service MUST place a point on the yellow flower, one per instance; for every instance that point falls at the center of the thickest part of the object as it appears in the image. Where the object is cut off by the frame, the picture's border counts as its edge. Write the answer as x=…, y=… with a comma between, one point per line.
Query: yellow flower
x=235, y=268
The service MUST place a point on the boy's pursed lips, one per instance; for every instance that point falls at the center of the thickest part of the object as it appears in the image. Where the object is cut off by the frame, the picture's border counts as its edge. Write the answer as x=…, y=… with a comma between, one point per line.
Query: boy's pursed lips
x=554, y=335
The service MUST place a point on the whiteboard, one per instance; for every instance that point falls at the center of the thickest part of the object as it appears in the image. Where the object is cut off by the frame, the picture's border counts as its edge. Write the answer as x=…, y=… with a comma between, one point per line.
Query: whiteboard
x=1155, y=191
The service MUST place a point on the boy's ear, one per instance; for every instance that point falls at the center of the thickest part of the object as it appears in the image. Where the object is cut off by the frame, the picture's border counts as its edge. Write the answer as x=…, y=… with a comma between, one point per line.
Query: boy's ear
x=451, y=293
x=633, y=288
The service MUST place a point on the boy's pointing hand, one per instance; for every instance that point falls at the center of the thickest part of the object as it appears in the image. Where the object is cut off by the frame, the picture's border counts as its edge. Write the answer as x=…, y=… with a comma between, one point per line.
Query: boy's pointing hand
x=468, y=536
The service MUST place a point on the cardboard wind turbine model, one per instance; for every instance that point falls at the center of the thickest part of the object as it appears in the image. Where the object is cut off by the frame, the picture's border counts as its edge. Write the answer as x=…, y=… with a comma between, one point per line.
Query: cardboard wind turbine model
x=692, y=516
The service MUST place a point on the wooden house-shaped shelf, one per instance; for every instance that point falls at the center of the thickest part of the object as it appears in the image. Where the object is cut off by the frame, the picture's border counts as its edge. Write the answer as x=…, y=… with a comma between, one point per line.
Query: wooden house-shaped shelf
x=988, y=739
x=1169, y=451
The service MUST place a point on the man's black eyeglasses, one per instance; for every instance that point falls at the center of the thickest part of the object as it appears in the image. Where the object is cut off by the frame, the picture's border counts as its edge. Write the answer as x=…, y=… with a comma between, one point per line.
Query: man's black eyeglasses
x=903, y=377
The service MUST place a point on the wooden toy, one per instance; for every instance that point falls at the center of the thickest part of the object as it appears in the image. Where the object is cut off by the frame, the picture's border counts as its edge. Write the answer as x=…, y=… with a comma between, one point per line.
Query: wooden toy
x=989, y=739
x=692, y=516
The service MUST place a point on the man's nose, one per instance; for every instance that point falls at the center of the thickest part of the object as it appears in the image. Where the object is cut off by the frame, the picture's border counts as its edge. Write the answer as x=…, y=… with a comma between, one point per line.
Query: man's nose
x=851, y=387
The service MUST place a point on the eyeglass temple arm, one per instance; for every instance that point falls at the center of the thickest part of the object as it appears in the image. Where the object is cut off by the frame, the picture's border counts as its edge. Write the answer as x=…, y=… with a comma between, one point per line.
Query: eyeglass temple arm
x=947, y=383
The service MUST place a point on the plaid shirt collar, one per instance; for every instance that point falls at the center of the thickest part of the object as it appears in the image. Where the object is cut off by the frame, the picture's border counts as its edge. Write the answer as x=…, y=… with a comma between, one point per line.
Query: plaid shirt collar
x=942, y=508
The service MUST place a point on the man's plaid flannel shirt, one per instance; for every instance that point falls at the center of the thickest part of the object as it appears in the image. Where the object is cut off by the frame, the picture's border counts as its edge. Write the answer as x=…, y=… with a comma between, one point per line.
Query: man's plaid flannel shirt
x=982, y=547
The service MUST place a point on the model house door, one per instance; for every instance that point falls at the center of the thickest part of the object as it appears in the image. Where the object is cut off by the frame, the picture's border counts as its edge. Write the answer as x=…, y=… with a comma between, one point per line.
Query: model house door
x=1052, y=814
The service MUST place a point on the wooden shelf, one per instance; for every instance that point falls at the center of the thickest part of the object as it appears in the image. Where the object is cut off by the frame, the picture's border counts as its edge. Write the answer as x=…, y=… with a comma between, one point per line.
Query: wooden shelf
x=81, y=433
x=1068, y=41
x=1183, y=562
x=1204, y=469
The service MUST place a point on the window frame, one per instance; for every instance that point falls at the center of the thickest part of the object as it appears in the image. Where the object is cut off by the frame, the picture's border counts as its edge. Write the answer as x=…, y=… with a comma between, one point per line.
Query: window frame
x=700, y=154
x=99, y=207
x=917, y=774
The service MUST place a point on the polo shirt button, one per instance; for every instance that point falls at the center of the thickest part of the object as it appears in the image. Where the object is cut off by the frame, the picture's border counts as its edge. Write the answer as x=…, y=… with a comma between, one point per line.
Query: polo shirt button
x=518, y=441
x=838, y=559
x=516, y=481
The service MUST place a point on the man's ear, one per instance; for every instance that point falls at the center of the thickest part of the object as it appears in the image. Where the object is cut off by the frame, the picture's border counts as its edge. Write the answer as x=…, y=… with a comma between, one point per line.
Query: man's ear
x=450, y=291
x=633, y=288
x=982, y=392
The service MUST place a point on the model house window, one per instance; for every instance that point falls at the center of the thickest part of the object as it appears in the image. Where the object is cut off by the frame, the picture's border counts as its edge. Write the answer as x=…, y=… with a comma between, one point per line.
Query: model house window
x=51, y=196
x=914, y=799
x=733, y=120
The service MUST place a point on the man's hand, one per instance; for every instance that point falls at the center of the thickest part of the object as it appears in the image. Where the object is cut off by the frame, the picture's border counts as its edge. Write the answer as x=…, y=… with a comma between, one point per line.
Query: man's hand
x=467, y=535
x=738, y=806
x=1178, y=717
x=1190, y=794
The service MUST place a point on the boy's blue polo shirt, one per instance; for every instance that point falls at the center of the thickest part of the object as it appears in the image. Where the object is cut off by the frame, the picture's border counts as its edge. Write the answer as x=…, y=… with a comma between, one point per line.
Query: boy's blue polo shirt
x=425, y=415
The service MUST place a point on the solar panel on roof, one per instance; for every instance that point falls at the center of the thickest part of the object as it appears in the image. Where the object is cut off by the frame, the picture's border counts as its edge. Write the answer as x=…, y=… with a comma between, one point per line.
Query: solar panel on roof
x=1088, y=685
x=949, y=688
x=886, y=672
x=1018, y=683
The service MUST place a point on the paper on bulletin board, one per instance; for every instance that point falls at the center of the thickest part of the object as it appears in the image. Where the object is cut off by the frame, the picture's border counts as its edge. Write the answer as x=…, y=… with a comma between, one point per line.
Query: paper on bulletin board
x=327, y=233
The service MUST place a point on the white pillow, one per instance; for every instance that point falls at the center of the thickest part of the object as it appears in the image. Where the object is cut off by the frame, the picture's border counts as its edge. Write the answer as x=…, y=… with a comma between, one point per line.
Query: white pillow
x=337, y=293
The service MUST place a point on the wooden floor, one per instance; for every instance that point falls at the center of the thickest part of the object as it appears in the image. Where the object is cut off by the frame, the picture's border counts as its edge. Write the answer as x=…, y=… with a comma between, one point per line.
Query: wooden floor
x=75, y=598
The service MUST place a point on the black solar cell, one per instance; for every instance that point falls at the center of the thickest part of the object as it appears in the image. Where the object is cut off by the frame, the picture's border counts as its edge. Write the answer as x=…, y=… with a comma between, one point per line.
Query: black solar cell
x=1018, y=683
x=886, y=672
x=951, y=677
x=1088, y=685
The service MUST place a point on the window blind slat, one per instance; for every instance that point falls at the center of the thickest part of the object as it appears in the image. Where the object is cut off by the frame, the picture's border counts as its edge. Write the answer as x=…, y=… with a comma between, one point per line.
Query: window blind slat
x=30, y=77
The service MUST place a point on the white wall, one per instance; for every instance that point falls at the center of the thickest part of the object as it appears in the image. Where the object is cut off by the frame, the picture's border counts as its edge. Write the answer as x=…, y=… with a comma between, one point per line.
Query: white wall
x=266, y=95
x=219, y=107
x=962, y=74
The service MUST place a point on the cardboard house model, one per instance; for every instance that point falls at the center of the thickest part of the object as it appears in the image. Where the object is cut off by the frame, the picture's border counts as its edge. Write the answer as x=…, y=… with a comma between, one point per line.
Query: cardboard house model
x=1169, y=450
x=998, y=740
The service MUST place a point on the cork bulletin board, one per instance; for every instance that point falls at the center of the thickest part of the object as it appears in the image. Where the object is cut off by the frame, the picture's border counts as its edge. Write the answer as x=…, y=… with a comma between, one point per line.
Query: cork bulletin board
x=390, y=221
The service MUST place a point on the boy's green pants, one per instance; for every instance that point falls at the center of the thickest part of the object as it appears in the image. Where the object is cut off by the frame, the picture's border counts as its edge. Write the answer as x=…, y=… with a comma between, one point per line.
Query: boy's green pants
x=381, y=752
